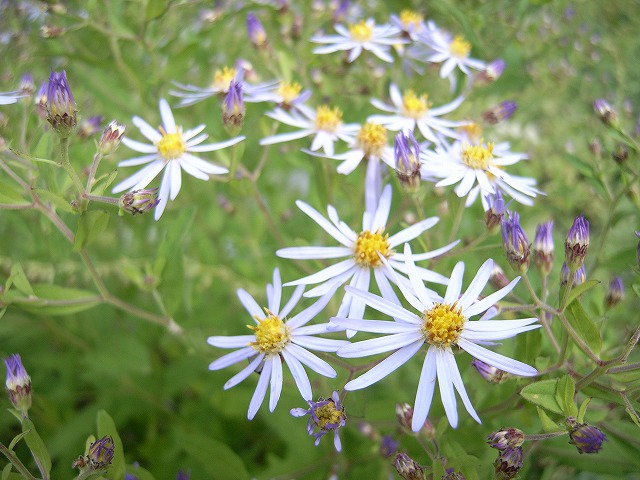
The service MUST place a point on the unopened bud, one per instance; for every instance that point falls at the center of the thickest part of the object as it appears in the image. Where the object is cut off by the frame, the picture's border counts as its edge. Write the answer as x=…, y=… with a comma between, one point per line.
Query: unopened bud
x=256, y=32
x=575, y=278
x=407, y=156
x=506, y=437
x=51, y=31
x=495, y=213
x=138, y=201
x=615, y=293
x=233, y=108
x=407, y=468
x=515, y=243
x=61, y=107
x=620, y=153
x=451, y=474
x=18, y=383
x=111, y=138
x=595, y=147
x=493, y=71
x=489, y=372
x=502, y=111
x=404, y=415
x=27, y=86
x=388, y=446
x=605, y=112
x=508, y=463
x=101, y=453
x=586, y=438
x=498, y=279
x=543, y=247
x=90, y=126
x=577, y=243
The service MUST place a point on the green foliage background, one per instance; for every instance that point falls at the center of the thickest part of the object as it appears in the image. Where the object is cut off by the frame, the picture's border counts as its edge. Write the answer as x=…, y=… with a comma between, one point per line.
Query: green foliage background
x=170, y=411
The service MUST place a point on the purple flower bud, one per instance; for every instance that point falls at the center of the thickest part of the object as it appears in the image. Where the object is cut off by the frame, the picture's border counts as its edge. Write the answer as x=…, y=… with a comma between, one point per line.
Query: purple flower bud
x=233, y=108
x=256, y=32
x=18, y=383
x=615, y=293
x=451, y=474
x=494, y=214
x=407, y=156
x=620, y=153
x=90, y=126
x=506, y=437
x=111, y=138
x=586, y=438
x=498, y=279
x=407, y=468
x=324, y=416
x=61, y=107
x=182, y=475
x=515, y=242
x=489, y=372
x=493, y=71
x=577, y=243
x=138, y=201
x=100, y=453
x=508, y=463
x=605, y=112
x=502, y=111
x=575, y=278
x=388, y=446
x=27, y=86
x=543, y=247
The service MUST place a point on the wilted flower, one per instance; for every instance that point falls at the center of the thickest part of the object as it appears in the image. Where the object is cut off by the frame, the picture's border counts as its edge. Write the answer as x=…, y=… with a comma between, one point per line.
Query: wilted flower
x=138, y=201
x=325, y=416
x=606, y=113
x=233, y=109
x=407, y=468
x=256, y=32
x=506, y=437
x=407, y=157
x=61, y=107
x=543, y=247
x=502, y=111
x=586, y=438
x=577, y=243
x=18, y=383
x=111, y=138
x=101, y=453
x=489, y=372
x=90, y=126
x=508, y=463
x=515, y=242
x=615, y=293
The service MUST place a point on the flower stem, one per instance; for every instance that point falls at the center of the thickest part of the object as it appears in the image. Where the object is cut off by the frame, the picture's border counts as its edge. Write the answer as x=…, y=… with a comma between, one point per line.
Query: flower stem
x=15, y=461
x=544, y=436
x=66, y=164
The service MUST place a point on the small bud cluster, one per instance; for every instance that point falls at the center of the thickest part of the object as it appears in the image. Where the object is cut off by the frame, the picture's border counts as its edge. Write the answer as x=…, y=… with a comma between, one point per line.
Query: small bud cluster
x=510, y=459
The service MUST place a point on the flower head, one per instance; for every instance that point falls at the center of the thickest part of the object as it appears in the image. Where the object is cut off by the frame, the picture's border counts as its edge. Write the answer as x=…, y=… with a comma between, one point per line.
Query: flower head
x=407, y=157
x=606, y=113
x=61, y=107
x=410, y=22
x=492, y=71
x=506, y=437
x=616, y=292
x=138, y=201
x=586, y=438
x=515, y=242
x=495, y=213
x=276, y=340
x=172, y=151
x=233, y=108
x=256, y=32
x=489, y=372
x=577, y=243
x=502, y=111
x=408, y=468
x=90, y=126
x=101, y=453
x=543, y=247
x=286, y=95
x=18, y=383
x=440, y=325
x=324, y=416
x=508, y=463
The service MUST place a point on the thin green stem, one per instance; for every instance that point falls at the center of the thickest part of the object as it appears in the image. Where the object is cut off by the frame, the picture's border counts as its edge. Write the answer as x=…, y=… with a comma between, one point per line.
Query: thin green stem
x=625, y=368
x=66, y=164
x=15, y=461
x=576, y=338
x=101, y=198
x=544, y=436
x=542, y=317
x=457, y=219
x=92, y=172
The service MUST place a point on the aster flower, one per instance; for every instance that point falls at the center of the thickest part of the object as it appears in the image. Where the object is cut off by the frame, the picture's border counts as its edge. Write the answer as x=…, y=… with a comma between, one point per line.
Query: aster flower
x=410, y=110
x=61, y=107
x=577, y=243
x=483, y=163
x=615, y=294
x=171, y=148
x=356, y=37
x=451, y=52
x=410, y=23
x=276, y=340
x=406, y=154
x=586, y=438
x=324, y=123
x=7, y=98
x=543, y=250
x=364, y=252
x=286, y=95
x=18, y=383
x=255, y=31
x=440, y=324
x=325, y=416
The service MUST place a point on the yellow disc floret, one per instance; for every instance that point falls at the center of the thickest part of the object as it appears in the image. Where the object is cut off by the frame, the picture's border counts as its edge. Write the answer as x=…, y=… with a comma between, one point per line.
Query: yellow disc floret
x=360, y=32
x=442, y=324
x=222, y=78
x=272, y=334
x=410, y=18
x=369, y=246
x=478, y=156
x=415, y=106
x=171, y=145
x=372, y=138
x=459, y=48
x=328, y=415
x=289, y=91
x=328, y=119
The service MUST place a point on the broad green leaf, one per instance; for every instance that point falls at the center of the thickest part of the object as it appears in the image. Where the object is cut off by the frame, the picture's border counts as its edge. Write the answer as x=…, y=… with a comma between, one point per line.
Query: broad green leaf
x=90, y=226
x=543, y=393
x=106, y=426
x=580, y=289
x=584, y=326
x=56, y=200
x=19, y=280
x=6, y=471
x=156, y=8
x=218, y=460
x=548, y=425
x=36, y=445
x=565, y=392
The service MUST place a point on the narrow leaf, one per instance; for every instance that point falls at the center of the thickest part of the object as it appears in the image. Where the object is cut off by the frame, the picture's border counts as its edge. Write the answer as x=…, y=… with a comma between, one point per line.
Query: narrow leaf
x=90, y=227
x=565, y=392
x=548, y=425
x=36, y=445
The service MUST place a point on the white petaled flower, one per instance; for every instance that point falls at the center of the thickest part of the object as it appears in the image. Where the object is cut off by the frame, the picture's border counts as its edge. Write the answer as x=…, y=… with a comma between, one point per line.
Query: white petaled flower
x=222, y=78
x=410, y=23
x=356, y=37
x=7, y=98
x=171, y=148
x=452, y=52
x=411, y=110
x=439, y=324
x=286, y=95
x=276, y=340
x=364, y=252
x=324, y=123
x=468, y=164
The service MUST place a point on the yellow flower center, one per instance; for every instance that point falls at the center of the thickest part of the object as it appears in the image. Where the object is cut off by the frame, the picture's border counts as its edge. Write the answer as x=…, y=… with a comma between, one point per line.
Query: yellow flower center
x=415, y=106
x=272, y=334
x=328, y=119
x=289, y=91
x=372, y=138
x=460, y=47
x=410, y=18
x=442, y=324
x=369, y=247
x=360, y=32
x=222, y=78
x=328, y=415
x=478, y=156
x=171, y=145
x=473, y=131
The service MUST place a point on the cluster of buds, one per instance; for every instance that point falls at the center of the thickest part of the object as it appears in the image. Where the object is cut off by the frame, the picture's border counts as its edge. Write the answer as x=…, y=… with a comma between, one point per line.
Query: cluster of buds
x=510, y=458
x=99, y=456
x=407, y=468
x=324, y=416
x=61, y=107
x=407, y=156
x=18, y=384
x=502, y=111
x=586, y=438
x=138, y=201
x=576, y=244
x=233, y=109
x=543, y=248
x=515, y=243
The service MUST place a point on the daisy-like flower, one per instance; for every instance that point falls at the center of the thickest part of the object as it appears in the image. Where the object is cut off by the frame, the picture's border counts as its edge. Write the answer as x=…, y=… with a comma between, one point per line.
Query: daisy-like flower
x=7, y=98
x=356, y=37
x=324, y=123
x=452, y=52
x=276, y=340
x=324, y=415
x=222, y=78
x=410, y=23
x=286, y=95
x=364, y=252
x=483, y=163
x=171, y=148
x=439, y=324
x=409, y=110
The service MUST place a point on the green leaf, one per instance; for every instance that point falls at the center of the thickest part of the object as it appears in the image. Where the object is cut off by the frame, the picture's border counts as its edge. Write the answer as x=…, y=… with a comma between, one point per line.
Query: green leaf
x=18, y=278
x=16, y=439
x=543, y=393
x=580, y=289
x=584, y=326
x=565, y=392
x=103, y=182
x=58, y=300
x=636, y=289
x=6, y=471
x=216, y=458
x=11, y=192
x=583, y=167
x=92, y=223
x=548, y=425
x=583, y=409
x=56, y=200
x=156, y=8
x=36, y=445
x=106, y=426
x=139, y=472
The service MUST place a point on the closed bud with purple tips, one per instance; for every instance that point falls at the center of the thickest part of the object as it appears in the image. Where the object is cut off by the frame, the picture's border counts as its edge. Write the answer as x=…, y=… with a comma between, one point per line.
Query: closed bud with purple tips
x=18, y=383
x=40, y=100
x=111, y=138
x=543, y=247
x=515, y=243
x=451, y=474
x=498, y=279
x=61, y=107
x=508, y=463
x=577, y=243
x=27, y=86
x=502, y=111
x=256, y=32
x=407, y=155
x=494, y=214
x=233, y=108
x=407, y=468
x=506, y=437
x=574, y=278
x=615, y=294
x=493, y=71
x=606, y=113
x=388, y=446
x=489, y=372
x=586, y=438
x=101, y=453
x=90, y=126
x=138, y=201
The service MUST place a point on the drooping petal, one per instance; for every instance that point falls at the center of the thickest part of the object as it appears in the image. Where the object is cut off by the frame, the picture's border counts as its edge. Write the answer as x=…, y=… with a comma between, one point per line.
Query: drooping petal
x=261, y=390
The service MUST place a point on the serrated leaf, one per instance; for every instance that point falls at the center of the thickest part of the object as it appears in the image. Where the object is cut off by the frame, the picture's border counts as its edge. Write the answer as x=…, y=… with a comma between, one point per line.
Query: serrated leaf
x=216, y=458
x=56, y=200
x=565, y=391
x=18, y=278
x=36, y=445
x=548, y=425
x=543, y=393
x=106, y=426
x=584, y=326
x=580, y=289
x=90, y=226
